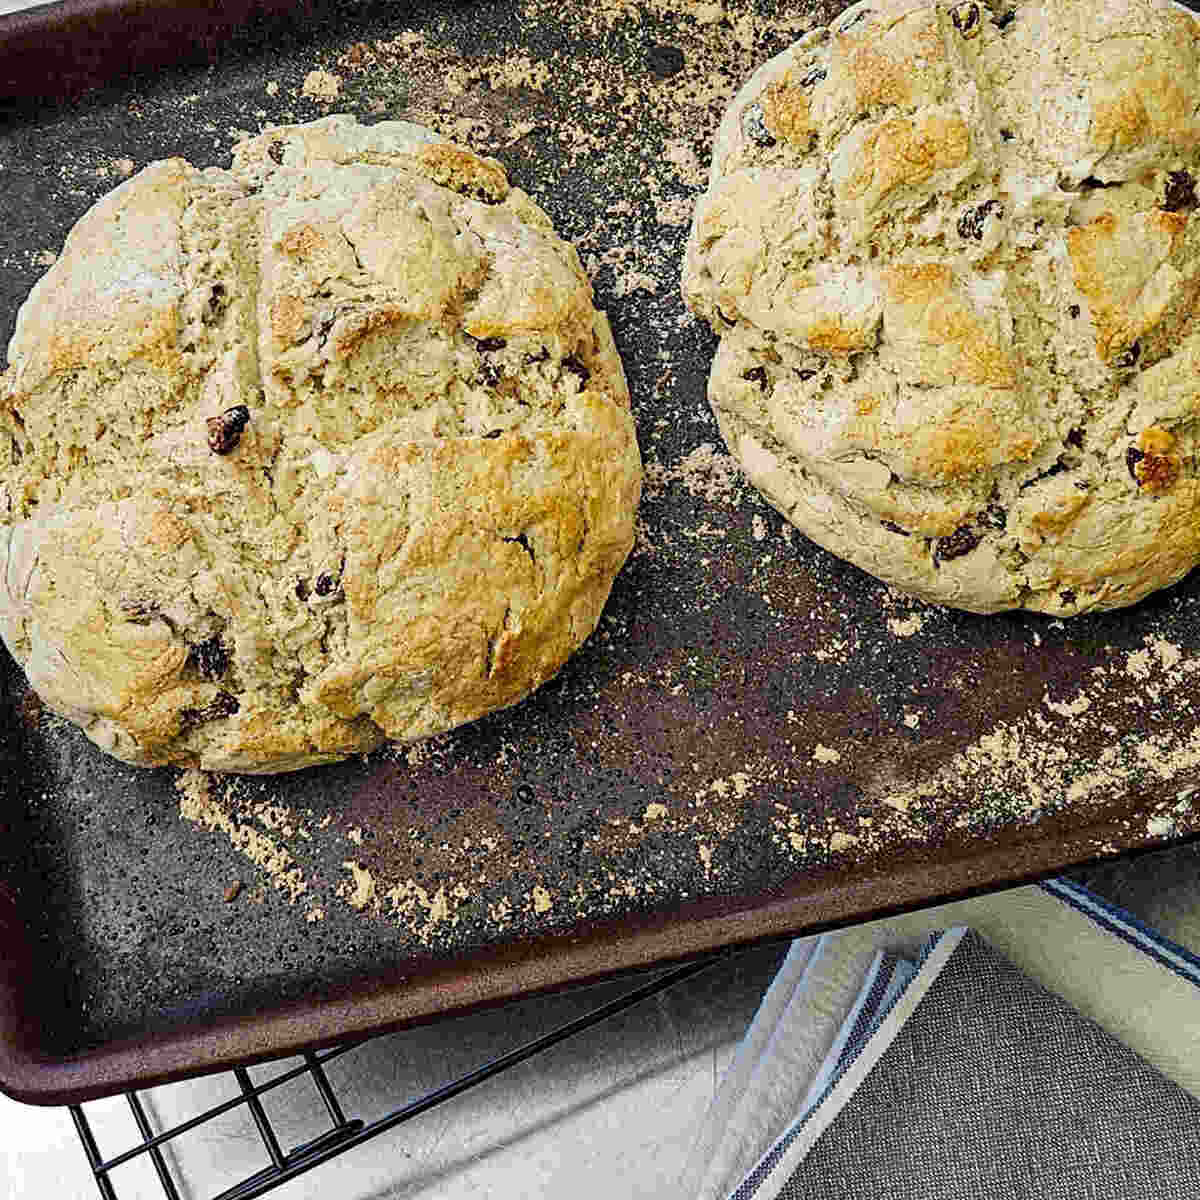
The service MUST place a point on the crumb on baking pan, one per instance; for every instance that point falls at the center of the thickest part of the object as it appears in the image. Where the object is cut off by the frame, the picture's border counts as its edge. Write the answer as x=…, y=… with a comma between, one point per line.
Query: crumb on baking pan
x=322, y=85
x=206, y=803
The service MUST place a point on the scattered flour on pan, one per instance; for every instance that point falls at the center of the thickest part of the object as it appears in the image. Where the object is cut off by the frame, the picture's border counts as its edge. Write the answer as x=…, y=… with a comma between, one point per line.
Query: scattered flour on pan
x=907, y=615
x=802, y=834
x=1172, y=821
x=705, y=472
x=683, y=157
x=835, y=650
x=516, y=71
x=405, y=902
x=1068, y=708
x=628, y=276
x=500, y=912
x=360, y=891
x=1141, y=664
x=906, y=626
x=737, y=784
x=322, y=85
x=199, y=803
x=1022, y=766
x=674, y=210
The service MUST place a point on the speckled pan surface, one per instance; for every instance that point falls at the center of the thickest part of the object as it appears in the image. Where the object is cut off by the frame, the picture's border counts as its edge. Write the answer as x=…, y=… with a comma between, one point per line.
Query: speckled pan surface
x=758, y=739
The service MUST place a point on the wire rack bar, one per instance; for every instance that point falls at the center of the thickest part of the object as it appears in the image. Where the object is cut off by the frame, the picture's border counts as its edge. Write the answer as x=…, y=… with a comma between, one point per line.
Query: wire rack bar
x=471, y=1079
x=325, y=1090
x=219, y=1110
x=265, y=1130
x=345, y=1134
x=156, y=1154
x=84, y=1129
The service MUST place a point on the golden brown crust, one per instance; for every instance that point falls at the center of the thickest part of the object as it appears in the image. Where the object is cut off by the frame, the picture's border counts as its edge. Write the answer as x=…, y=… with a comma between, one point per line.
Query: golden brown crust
x=459, y=169
x=1059, y=512
x=901, y=152
x=290, y=319
x=1140, y=97
x=145, y=215
x=1166, y=547
x=354, y=330
x=958, y=451
x=1114, y=260
x=928, y=308
x=786, y=110
x=499, y=567
x=830, y=336
x=899, y=61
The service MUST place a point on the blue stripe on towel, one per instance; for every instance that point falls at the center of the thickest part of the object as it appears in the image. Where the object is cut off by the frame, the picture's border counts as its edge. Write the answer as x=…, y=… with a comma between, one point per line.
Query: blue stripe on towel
x=886, y=982
x=1127, y=927
x=867, y=1018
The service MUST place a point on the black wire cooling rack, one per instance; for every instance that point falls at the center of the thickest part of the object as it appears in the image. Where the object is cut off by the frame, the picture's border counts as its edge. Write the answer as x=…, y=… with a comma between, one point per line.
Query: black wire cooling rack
x=344, y=1133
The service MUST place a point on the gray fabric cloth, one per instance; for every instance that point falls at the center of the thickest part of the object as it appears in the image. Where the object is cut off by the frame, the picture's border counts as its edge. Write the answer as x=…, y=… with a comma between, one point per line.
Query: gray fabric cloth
x=995, y=1089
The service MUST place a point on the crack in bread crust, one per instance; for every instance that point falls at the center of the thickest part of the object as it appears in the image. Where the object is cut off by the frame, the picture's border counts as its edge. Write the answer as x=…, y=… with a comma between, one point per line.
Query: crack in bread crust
x=422, y=515
x=955, y=268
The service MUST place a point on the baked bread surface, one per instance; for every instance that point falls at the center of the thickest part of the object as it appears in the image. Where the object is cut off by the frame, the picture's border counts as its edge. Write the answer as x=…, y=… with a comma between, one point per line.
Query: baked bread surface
x=322, y=450
x=952, y=255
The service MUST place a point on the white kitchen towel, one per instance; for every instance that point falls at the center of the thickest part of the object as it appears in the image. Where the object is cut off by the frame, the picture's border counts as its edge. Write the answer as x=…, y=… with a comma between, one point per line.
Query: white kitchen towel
x=756, y=1092
x=1132, y=982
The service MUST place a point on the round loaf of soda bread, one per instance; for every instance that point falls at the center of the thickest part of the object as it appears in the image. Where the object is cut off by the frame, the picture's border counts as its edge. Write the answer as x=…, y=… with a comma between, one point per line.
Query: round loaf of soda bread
x=325, y=449
x=953, y=257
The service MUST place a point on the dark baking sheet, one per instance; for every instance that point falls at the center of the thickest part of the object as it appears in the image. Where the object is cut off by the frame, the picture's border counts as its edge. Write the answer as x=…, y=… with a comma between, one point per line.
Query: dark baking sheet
x=758, y=740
